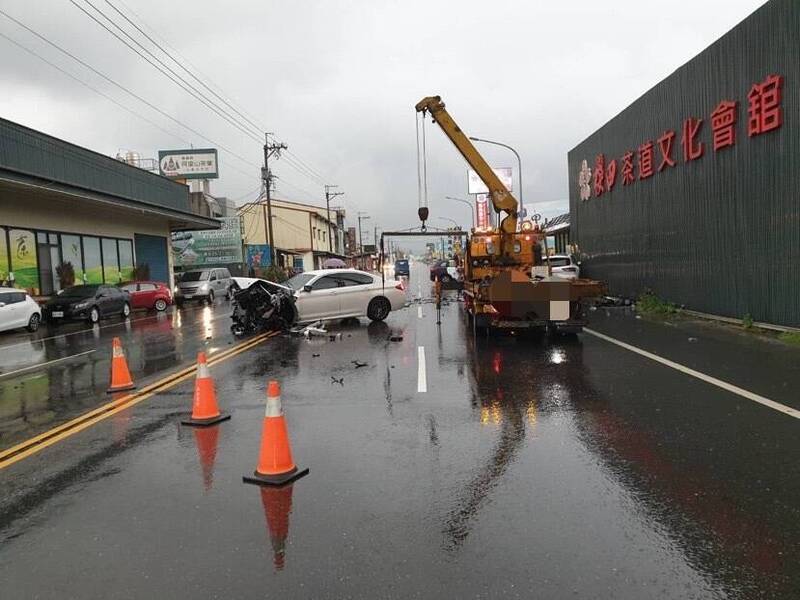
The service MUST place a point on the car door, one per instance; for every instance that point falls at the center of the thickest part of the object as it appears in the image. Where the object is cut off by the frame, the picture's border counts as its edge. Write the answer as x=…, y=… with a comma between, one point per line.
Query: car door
x=9, y=311
x=107, y=300
x=133, y=293
x=146, y=296
x=322, y=302
x=355, y=293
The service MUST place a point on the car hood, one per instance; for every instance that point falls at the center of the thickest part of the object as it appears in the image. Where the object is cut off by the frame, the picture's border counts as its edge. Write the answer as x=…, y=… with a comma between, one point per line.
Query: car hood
x=246, y=282
x=67, y=300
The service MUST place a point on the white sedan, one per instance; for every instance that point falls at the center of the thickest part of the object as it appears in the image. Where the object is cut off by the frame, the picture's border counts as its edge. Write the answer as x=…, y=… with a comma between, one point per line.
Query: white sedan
x=340, y=293
x=18, y=309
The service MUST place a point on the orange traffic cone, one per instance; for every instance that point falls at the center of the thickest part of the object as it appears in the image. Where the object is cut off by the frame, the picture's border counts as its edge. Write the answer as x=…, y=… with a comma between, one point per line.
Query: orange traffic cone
x=275, y=464
x=204, y=408
x=120, y=375
x=277, y=502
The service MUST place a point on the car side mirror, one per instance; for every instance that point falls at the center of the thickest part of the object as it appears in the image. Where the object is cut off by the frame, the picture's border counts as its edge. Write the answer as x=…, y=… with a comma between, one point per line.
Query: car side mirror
x=2, y=304
x=306, y=288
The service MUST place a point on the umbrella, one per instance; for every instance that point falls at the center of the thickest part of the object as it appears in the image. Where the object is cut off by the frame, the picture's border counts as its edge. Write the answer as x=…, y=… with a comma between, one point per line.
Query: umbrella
x=333, y=263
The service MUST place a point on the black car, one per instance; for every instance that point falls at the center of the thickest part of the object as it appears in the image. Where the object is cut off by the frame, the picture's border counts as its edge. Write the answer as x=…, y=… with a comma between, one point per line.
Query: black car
x=89, y=302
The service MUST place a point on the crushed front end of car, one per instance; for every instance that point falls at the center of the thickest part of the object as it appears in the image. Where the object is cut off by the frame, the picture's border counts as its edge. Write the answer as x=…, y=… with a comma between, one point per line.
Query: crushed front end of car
x=263, y=306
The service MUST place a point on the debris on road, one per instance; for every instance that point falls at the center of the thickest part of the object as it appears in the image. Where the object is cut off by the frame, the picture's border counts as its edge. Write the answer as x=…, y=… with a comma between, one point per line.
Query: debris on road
x=358, y=364
x=340, y=381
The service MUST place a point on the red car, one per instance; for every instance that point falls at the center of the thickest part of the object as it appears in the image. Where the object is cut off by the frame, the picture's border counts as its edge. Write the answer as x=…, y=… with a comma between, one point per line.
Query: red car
x=148, y=294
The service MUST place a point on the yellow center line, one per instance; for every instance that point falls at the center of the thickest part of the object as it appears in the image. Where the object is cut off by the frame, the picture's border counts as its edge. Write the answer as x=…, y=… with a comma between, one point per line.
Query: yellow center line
x=35, y=444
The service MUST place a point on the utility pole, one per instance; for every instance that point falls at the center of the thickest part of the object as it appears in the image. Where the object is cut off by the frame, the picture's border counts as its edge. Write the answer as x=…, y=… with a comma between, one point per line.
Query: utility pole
x=328, y=196
x=360, y=238
x=270, y=149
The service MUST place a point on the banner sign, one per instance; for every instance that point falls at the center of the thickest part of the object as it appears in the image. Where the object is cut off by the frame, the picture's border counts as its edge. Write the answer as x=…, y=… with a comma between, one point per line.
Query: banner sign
x=258, y=255
x=209, y=247
x=476, y=186
x=482, y=211
x=188, y=164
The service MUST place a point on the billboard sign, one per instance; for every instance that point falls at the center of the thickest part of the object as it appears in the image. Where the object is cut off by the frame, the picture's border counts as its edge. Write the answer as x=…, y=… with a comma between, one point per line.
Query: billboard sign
x=210, y=246
x=188, y=164
x=476, y=186
x=258, y=255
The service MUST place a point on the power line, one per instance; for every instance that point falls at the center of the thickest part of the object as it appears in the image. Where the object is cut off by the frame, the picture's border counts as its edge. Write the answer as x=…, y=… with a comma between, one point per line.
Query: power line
x=174, y=52
x=125, y=89
x=94, y=89
x=172, y=76
x=200, y=81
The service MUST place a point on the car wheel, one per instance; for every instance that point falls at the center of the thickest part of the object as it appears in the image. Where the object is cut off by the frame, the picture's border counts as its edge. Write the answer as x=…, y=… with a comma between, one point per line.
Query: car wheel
x=160, y=305
x=378, y=309
x=33, y=322
x=126, y=310
x=211, y=296
x=94, y=315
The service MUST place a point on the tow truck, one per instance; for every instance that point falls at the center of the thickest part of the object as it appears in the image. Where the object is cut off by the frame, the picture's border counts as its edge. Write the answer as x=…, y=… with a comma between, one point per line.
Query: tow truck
x=508, y=283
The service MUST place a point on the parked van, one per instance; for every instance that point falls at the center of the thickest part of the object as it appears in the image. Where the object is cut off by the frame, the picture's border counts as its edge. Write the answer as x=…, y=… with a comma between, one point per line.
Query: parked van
x=203, y=285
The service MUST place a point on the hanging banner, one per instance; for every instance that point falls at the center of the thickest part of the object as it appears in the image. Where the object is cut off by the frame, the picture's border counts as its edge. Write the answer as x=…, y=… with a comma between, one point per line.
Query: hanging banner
x=482, y=211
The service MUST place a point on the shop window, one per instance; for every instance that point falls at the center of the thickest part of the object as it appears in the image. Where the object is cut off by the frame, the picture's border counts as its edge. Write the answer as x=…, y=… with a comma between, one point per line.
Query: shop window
x=126, y=260
x=23, y=260
x=92, y=264
x=3, y=256
x=71, y=253
x=110, y=261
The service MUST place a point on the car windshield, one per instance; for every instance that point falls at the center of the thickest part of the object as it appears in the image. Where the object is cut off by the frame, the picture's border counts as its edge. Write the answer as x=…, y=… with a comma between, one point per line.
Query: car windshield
x=559, y=261
x=298, y=281
x=194, y=276
x=80, y=291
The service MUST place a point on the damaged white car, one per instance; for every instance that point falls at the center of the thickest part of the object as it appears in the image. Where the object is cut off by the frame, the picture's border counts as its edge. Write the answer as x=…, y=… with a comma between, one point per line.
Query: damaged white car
x=338, y=294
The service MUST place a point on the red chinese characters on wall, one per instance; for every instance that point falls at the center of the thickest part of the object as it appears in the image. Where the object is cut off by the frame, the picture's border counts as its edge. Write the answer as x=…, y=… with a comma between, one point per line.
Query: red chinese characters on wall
x=611, y=174
x=692, y=149
x=764, y=106
x=627, y=168
x=646, y=160
x=599, y=174
x=723, y=125
x=665, y=145
x=764, y=113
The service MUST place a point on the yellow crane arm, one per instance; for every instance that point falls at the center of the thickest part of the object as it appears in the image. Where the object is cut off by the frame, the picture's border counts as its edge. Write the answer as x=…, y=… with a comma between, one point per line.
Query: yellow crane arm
x=502, y=199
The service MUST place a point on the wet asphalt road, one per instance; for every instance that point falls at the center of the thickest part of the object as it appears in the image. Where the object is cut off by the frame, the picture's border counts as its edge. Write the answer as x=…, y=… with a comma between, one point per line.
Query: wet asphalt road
x=531, y=468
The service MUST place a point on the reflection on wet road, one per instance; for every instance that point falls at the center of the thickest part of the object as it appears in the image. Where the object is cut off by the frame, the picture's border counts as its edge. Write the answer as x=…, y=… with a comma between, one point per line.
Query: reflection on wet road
x=531, y=468
x=63, y=371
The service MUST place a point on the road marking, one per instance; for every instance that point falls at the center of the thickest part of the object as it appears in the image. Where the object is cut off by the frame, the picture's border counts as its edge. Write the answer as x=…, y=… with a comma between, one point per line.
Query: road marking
x=729, y=387
x=419, y=311
x=422, y=379
x=45, y=364
x=39, y=442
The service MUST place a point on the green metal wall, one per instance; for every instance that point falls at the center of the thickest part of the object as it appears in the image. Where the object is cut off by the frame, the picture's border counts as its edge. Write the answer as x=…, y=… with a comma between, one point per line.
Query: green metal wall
x=720, y=234
x=32, y=153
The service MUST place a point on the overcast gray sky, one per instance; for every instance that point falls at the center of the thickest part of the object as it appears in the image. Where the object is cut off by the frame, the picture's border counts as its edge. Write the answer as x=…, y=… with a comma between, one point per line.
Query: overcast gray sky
x=337, y=81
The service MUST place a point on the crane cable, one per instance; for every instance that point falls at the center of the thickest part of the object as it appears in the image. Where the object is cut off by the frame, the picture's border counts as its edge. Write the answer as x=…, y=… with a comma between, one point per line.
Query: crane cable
x=422, y=174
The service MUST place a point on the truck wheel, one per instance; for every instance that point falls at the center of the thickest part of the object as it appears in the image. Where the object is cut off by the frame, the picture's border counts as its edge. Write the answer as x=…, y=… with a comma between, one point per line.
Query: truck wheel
x=378, y=309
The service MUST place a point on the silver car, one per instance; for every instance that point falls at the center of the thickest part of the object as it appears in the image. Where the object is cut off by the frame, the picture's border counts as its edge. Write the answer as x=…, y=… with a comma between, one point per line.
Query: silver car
x=203, y=285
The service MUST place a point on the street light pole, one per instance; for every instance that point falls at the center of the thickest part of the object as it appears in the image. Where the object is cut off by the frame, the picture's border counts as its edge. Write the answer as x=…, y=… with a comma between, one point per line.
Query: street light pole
x=519, y=160
x=468, y=203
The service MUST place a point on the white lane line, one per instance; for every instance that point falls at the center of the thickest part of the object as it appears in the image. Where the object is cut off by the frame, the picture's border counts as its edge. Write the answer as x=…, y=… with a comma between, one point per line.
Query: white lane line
x=419, y=311
x=729, y=387
x=422, y=379
x=45, y=364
